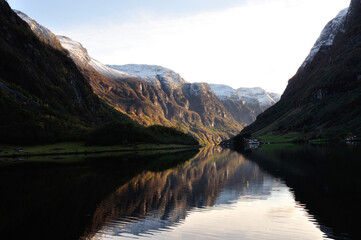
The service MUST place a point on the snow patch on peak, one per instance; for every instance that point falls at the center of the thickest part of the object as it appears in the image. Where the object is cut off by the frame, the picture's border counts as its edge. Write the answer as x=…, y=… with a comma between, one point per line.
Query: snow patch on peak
x=40, y=31
x=257, y=93
x=328, y=35
x=80, y=55
x=224, y=92
x=151, y=73
x=252, y=96
x=76, y=50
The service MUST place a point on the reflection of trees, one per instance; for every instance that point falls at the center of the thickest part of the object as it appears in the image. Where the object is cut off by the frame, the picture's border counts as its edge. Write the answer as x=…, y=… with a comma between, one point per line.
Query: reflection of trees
x=161, y=199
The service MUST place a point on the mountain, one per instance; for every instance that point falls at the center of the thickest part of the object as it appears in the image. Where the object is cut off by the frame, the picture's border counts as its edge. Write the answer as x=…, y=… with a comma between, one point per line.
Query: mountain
x=327, y=35
x=44, y=34
x=43, y=96
x=152, y=74
x=151, y=94
x=80, y=55
x=323, y=98
x=245, y=104
x=154, y=95
x=192, y=106
x=258, y=96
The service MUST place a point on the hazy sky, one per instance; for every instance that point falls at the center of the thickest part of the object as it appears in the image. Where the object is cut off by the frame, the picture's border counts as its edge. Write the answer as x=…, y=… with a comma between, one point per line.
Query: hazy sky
x=241, y=43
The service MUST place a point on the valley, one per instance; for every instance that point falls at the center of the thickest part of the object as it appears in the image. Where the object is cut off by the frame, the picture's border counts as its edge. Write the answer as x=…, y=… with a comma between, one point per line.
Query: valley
x=154, y=95
x=121, y=149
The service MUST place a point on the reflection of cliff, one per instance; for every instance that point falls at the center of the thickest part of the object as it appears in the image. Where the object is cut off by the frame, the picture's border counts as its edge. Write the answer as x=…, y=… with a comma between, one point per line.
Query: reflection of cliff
x=325, y=179
x=153, y=201
x=55, y=200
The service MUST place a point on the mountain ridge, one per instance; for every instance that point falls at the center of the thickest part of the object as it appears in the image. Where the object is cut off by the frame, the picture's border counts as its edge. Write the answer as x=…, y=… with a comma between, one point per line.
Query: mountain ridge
x=156, y=95
x=44, y=98
x=40, y=84
x=321, y=100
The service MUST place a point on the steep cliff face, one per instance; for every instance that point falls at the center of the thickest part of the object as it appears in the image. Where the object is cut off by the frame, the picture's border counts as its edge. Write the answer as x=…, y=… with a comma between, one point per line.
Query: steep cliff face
x=43, y=96
x=322, y=99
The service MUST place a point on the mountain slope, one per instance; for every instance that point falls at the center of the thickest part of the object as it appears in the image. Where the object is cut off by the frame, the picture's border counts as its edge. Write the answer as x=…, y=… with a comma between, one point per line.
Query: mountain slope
x=190, y=106
x=323, y=98
x=159, y=98
x=43, y=95
x=157, y=95
x=245, y=104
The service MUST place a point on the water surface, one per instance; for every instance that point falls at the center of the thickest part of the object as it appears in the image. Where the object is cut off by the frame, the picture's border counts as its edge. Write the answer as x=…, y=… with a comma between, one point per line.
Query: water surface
x=278, y=192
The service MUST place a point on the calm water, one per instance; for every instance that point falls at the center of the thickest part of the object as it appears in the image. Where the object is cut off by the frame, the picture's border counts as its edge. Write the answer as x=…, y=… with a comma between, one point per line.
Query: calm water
x=278, y=192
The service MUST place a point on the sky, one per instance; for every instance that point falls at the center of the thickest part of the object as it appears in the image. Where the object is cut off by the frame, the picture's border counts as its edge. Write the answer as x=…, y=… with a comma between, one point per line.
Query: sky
x=240, y=43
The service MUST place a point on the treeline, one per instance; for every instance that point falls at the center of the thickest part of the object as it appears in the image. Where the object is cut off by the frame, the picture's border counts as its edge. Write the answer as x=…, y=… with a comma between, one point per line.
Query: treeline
x=130, y=132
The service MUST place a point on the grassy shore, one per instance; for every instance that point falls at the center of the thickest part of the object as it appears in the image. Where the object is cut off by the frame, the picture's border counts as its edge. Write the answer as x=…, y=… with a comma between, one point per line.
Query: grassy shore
x=75, y=148
x=287, y=138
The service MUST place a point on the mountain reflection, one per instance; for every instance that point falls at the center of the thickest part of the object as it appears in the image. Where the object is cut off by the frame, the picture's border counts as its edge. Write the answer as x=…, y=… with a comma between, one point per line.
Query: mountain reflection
x=154, y=201
x=324, y=178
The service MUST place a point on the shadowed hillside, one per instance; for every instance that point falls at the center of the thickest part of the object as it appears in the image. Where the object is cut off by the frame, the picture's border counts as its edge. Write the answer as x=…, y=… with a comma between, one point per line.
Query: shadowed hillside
x=323, y=98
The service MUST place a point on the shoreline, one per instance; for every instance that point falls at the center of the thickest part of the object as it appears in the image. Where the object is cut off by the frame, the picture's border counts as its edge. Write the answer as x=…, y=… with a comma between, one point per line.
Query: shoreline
x=90, y=152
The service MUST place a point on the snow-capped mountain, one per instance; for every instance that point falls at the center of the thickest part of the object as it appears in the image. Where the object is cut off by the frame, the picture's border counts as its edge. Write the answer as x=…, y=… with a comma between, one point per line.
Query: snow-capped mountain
x=81, y=57
x=322, y=100
x=225, y=92
x=41, y=32
x=327, y=36
x=76, y=51
x=245, y=104
x=252, y=95
x=156, y=95
x=246, y=95
x=151, y=73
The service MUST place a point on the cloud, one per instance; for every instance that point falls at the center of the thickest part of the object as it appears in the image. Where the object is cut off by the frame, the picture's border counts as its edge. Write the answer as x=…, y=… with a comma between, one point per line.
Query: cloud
x=257, y=44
